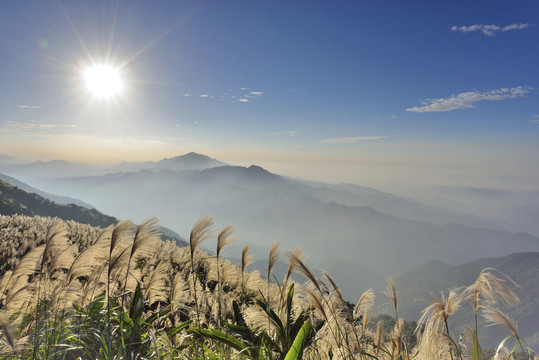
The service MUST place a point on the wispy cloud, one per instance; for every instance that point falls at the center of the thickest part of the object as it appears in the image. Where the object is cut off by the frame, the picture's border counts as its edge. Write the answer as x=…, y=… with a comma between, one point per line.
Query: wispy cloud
x=353, y=139
x=28, y=107
x=489, y=30
x=534, y=120
x=466, y=100
x=283, y=133
x=11, y=126
x=242, y=95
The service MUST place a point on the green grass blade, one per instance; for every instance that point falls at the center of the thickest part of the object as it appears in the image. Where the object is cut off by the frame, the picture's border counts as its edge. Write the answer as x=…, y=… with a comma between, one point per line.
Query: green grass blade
x=296, y=351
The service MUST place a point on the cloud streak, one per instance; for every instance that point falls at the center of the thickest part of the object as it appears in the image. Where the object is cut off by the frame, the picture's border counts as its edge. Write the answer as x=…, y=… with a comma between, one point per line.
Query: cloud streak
x=535, y=120
x=27, y=107
x=33, y=126
x=347, y=140
x=489, y=30
x=466, y=100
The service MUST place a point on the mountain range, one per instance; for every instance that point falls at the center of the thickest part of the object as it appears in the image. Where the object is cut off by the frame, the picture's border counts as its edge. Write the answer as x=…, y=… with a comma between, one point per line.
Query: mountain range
x=384, y=233
x=360, y=235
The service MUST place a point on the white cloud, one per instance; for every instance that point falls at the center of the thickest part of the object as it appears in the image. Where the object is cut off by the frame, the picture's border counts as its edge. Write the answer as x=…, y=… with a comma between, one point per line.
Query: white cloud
x=352, y=139
x=27, y=107
x=204, y=96
x=515, y=27
x=187, y=94
x=243, y=100
x=285, y=133
x=535, y=120
x=34, y=126
x=466, y=100
x=257, y=93
x=489, y=30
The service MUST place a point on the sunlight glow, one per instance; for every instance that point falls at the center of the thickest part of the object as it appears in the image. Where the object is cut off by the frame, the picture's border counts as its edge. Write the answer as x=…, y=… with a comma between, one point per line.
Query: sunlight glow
x=103, y=81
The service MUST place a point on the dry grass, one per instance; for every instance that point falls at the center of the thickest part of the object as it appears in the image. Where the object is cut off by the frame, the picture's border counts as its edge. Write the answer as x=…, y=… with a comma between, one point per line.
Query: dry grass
x=181, y=280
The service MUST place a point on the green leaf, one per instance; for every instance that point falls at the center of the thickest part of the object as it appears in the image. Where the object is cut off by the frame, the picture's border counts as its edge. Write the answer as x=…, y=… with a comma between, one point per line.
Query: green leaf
x=171, y=331
x=296, y=351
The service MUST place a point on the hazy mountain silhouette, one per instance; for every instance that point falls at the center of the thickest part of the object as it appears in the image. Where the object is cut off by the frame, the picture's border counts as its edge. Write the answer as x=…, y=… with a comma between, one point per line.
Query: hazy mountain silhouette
x=54, y=198
x=190, y=161
x=61, y=168
x=264, y=207
x=9, y=160
x=16, y=200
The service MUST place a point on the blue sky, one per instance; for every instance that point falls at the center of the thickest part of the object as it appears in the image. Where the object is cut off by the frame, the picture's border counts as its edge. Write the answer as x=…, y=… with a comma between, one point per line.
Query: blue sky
x=371, y=92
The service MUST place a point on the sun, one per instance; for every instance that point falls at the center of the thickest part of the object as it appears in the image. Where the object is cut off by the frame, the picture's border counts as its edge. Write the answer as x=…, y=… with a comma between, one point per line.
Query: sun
x=103, y=81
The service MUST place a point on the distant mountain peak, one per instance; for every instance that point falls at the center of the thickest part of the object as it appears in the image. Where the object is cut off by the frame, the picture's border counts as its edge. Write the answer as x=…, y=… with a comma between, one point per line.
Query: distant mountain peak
x=258, y=169
x=191, y=156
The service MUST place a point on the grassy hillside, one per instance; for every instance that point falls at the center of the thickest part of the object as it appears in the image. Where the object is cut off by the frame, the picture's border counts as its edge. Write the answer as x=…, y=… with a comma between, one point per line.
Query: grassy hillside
x=122, y=292
x=14, y=200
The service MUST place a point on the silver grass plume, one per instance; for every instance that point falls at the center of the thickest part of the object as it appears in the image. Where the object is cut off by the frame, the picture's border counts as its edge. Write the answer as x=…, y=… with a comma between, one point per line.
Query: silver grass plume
x=272, y=259
x=156, y=289
x=145, y=241
x=298, y=253
x=92, y=257
x=246, y=260
x=178, y=292
x=489, y=287
x=496, y=316
x=439, y=311
x=298, y=263
x=338, y=292
x=224, y=238
x=200, y=232
x=365, y=302
x=273, y=256
x=391, y=293
x=118, y=243
x=7, y=330
x=29, y=264
x=55, y=241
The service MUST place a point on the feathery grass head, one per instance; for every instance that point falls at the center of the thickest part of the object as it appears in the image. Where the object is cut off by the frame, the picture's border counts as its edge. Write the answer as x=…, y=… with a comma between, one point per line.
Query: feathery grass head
x=224, y=238
x=391, y=293
x=273, y=256
x=146, y=236
x=338, y=293
x=496, y=316
x=296, y=262
x=7, y=330
x=120, y=233
x=439, y=311
x=246, y=258
x=291, y=265
x=156, y=289
x=364, y=304
x=488, y=287
x=200, y=232
x=56, y=232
